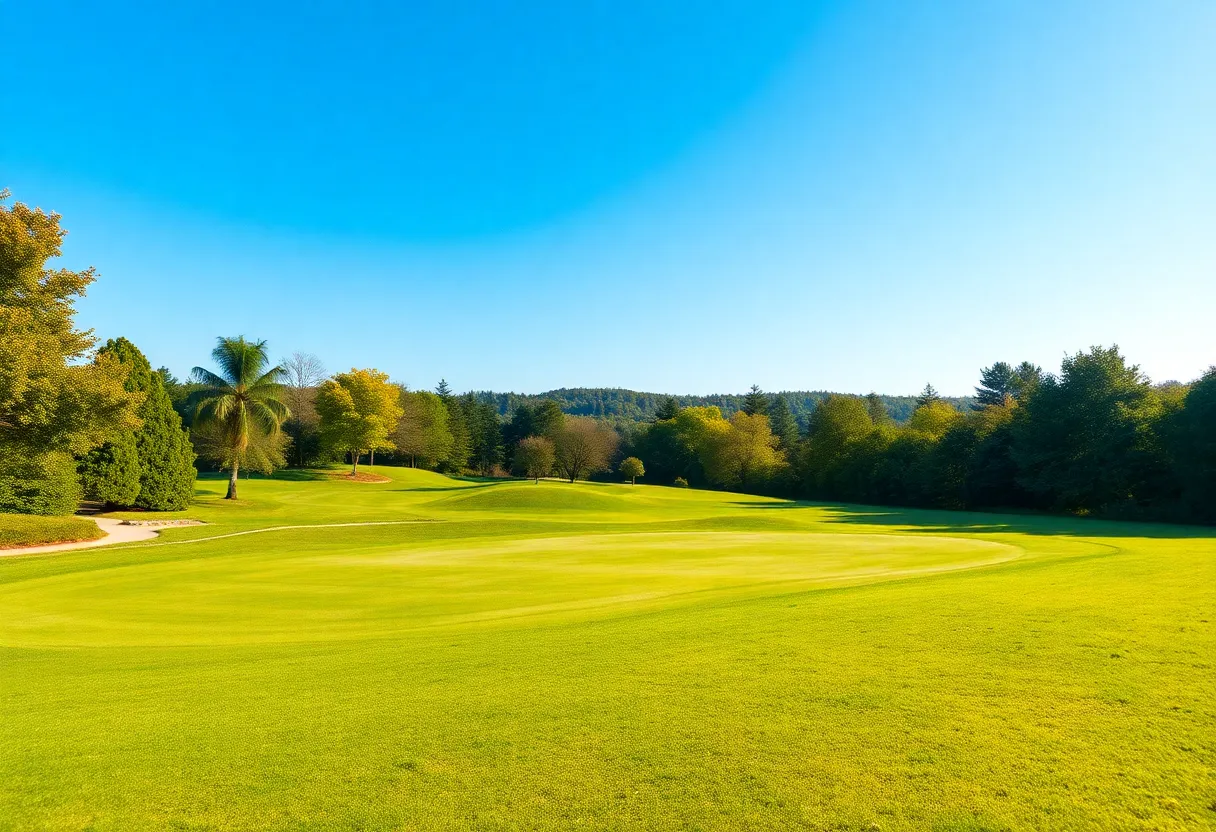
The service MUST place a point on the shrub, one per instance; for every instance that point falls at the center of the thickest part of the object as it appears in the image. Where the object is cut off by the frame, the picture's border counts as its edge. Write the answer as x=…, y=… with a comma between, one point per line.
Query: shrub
x=39, y=483
x=680, y=482
x=110, y=474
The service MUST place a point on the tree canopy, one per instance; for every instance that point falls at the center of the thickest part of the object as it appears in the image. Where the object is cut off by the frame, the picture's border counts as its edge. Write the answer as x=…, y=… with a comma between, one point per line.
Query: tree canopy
x=53, y=403
x=359, y=412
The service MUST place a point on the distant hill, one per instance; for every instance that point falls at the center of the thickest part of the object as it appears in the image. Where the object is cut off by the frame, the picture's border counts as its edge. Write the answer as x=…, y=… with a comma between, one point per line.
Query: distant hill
x=619, y=405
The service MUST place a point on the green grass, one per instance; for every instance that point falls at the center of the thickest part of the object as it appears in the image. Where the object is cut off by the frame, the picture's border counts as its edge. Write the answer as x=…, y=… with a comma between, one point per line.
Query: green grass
x=556, y=656
x=32, y=530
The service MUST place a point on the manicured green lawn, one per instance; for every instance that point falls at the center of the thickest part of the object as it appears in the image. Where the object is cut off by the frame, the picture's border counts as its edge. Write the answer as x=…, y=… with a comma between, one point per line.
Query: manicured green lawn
x=555, y=656
x=31, y=530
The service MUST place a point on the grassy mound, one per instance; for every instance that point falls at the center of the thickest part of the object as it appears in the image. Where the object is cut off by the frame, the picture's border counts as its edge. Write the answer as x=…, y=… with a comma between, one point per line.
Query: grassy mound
x=545, y=496
x=31, y=530
x=650, y=659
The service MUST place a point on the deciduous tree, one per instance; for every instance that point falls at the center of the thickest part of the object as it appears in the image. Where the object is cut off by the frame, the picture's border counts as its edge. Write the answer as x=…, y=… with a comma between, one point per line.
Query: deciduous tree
x=631, y=468
x=53, y=405
x=534, y=456
x=422, y=433
x=583, y=446
x=303, y=373
x=358, y=411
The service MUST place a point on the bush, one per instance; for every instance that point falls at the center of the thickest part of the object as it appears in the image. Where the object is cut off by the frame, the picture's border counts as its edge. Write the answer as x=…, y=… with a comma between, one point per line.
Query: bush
x=39, y=484
x=110, y=474
x=680, y=482
x=26, y=530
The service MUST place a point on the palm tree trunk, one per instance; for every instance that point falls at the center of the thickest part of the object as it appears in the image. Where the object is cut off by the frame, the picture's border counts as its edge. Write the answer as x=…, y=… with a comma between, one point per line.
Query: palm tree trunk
x=232, y=481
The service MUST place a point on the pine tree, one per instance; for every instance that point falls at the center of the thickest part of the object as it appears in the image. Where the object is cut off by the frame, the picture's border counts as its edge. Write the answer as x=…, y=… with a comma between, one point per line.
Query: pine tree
x=443, y=390
x=927, y=396
x=165, y=454
x=152, y=466
x=997, y=384
x=755, y=402
x=783, y=424
x=668, y=409
x=877, y=409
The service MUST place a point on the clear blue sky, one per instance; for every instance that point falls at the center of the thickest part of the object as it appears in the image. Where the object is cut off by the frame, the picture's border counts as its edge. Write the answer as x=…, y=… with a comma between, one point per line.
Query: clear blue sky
x=662, y=195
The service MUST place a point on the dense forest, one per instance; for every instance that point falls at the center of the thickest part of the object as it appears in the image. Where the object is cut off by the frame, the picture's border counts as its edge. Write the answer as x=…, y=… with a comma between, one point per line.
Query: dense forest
x=1097, y=437
x=622, y=406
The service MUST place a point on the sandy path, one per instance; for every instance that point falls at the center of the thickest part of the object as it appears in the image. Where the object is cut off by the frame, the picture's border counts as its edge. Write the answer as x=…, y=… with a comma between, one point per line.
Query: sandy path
x=115, y=533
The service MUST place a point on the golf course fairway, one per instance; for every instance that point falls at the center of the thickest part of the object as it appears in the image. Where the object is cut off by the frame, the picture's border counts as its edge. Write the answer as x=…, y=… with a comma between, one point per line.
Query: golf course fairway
x=430, y=653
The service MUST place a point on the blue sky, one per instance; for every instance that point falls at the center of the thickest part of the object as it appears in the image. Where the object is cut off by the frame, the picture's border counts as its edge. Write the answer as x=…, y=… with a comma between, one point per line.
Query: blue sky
x=671, y=196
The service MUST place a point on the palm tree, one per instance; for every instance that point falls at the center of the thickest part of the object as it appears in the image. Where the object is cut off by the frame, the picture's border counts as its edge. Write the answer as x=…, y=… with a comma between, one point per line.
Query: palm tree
x=242, y=399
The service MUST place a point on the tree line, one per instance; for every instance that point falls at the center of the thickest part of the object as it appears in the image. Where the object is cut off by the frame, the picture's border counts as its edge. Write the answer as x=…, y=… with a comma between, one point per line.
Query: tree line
x=623, y=407
x=76, y=421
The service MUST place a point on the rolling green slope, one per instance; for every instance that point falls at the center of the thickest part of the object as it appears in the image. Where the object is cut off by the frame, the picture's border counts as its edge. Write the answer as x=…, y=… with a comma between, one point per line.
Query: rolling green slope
x=556, y=656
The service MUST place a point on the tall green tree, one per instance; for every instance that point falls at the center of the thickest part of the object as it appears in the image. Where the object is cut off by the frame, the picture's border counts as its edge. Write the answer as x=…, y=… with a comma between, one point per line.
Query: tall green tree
x=668, y=409
x=837, y=426
x=54, y=404
x=152, y=466
x=485, y=434
x=877, y=409
x=783, y=424
x=1086, y=441
x=1194, y=446
x=998, y=384
x=755, y=403
x=242, y=402
x=166, y=457
x=928, y=396
x=457, y=459
x=422, y=434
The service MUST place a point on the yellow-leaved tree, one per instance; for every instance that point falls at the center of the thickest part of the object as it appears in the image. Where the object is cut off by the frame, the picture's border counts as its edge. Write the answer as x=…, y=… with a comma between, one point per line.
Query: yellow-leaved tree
x=53, y=403
x=358, y=412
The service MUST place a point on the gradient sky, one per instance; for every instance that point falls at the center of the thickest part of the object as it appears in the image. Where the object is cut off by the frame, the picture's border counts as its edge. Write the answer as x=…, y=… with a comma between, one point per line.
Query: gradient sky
x=661, y=195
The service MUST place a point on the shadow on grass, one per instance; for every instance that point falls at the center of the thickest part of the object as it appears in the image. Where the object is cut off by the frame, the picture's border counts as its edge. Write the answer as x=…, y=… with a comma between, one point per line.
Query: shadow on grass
x=938, y=521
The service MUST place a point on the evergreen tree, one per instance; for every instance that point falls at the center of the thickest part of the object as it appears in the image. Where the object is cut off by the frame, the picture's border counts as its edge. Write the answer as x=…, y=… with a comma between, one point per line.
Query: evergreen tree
x=485, y=434
x=755, y=402
x=877, y=409
x=166, y=457
x=152, y=466
x=783, y=425
x=668, y=409
x=547, y=418
x=457, y=458
x=1027, y=378
x=998, y=383
x=928, y=396
x=110, y=474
